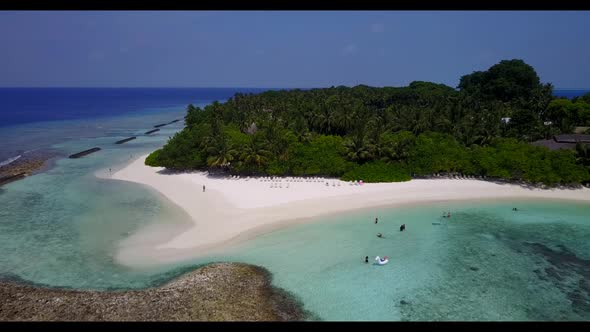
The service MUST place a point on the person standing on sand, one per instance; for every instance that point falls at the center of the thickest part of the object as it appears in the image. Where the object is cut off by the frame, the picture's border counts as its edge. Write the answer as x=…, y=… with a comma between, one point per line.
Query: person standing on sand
x=203, y=188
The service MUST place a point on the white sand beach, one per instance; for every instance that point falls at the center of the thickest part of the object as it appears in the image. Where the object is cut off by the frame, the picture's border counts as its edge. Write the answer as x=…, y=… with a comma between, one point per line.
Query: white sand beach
x=234, y=210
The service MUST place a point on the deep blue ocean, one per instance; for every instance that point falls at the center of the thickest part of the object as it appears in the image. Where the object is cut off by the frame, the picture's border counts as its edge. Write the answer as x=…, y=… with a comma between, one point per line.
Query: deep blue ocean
x=25, y=105
x=570, y=93
x=37, y=118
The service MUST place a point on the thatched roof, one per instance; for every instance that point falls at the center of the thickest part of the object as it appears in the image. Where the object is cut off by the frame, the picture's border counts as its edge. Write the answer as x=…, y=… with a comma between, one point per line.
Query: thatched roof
x=252, y=129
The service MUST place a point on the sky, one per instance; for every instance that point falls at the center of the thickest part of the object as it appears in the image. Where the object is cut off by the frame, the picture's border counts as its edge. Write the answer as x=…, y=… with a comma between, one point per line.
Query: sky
x=285, y=49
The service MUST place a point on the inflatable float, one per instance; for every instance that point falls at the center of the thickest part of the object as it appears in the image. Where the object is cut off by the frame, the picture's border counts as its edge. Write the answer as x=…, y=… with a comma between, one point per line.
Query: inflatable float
x=382, y=261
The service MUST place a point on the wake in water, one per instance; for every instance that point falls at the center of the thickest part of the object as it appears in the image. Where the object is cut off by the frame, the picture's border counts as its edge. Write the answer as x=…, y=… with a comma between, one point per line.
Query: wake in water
x=9, y=160
x=13, y=159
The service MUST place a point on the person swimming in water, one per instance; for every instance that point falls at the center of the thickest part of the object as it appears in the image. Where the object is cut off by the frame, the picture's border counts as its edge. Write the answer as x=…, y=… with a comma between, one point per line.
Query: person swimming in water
x=514, y=209
x=402, y=228
x=376, y=220
x=366, y=259
x=379, y=235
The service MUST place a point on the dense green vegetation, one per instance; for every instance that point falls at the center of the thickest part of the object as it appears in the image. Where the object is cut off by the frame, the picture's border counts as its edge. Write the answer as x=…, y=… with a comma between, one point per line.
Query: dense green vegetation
x=567, y=114
x=585, y=98
x=378, y=171
x=388, y=134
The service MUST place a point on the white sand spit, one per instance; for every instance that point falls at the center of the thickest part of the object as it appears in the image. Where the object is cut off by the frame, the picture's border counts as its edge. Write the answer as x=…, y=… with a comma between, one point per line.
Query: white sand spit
x=232, y=210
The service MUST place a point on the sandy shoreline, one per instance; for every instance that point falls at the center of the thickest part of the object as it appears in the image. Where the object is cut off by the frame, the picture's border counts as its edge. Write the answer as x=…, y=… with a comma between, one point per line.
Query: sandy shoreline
x=231, y=211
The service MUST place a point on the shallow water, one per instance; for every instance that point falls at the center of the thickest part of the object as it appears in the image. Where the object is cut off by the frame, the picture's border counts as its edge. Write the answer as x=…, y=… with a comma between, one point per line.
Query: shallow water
x=61, y=227
x=485, y=263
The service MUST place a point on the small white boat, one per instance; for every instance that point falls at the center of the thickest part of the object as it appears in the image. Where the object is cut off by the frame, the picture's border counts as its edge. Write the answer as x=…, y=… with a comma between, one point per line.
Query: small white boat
x=382, y=261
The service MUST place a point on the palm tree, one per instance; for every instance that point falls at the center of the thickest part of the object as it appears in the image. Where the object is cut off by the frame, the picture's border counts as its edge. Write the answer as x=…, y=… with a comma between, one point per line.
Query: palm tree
x=310, y=116
x=299, y=128
x=221, y=154
x=326, y=120
x=357, y=150
x=345, y=120
x=397, y=148
x=467, y=133
x=375, y=127
x=207, y=142
x=419, y=120
x=255, y=154
x=397, y=118
x=540, y=99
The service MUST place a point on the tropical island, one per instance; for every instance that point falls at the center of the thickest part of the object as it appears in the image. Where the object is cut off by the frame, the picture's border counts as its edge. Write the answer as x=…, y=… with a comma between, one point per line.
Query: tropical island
x=257, y=163
x=482, y=129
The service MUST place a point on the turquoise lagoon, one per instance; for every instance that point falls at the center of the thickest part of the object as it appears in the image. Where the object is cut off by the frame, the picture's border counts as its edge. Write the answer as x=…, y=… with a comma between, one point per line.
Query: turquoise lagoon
x=61, y=228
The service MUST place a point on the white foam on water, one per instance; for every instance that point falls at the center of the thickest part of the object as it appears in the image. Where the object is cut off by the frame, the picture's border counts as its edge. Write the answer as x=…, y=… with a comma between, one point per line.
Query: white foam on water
x=9, y=160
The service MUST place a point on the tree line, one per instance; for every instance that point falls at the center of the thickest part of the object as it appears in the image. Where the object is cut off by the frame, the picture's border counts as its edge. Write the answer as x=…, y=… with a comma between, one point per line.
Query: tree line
x=389, y=133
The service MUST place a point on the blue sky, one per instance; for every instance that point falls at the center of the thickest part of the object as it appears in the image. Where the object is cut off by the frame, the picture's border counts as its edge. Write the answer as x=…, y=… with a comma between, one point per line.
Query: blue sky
x=285, y=49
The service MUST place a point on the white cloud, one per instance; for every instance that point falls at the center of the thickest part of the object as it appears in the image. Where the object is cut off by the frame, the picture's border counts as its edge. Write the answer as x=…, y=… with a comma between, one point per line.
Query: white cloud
x=349, y=49
x=377, y=27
